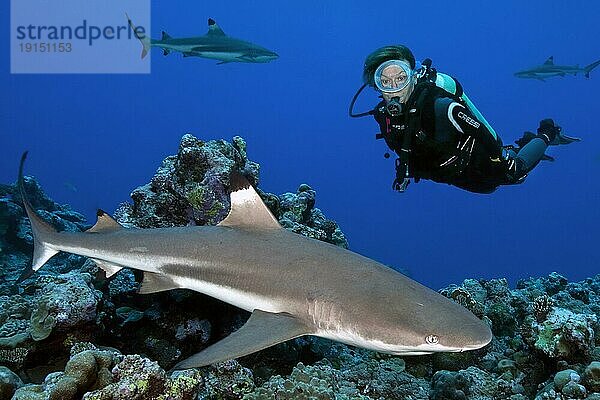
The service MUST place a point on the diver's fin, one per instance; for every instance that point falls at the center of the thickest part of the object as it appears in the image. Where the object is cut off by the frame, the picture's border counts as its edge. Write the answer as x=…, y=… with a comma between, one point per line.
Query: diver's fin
x=262, y=330
x=109, y=268
x=165, y=36
x=247, y=208
x=546, y=157
x=154, y=282
x=561, y=138
x=41, y=230
x=214, y=29
x=549, y=61
x=105, y=223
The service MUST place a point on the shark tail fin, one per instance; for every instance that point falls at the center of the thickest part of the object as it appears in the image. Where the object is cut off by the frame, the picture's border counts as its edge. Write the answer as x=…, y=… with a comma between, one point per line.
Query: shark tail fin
x=589, y=68
x=42, y=231
x=145, y=40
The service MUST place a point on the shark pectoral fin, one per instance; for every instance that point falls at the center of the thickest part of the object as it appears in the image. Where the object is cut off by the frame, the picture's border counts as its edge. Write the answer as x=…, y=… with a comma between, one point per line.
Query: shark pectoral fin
x=166, y=52
x=105, y=223
x=109, y=268
x=247, y=208
x=262, y=330
x=154, y=282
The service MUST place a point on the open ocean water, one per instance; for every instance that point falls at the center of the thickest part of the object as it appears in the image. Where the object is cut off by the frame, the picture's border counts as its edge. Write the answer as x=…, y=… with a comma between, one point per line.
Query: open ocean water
x=94, y=137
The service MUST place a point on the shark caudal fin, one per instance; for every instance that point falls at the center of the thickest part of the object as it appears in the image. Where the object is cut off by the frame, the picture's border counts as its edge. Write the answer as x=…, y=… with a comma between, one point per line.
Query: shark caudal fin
x=589, y=68
x=41, y=230
x=145, y=40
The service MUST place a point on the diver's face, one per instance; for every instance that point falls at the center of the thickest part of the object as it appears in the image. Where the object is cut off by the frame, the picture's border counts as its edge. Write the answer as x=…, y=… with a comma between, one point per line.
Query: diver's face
x=394, y=76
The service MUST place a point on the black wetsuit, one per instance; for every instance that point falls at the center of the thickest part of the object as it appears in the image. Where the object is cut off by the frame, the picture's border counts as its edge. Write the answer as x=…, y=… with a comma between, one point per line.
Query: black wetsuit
x=451, y=146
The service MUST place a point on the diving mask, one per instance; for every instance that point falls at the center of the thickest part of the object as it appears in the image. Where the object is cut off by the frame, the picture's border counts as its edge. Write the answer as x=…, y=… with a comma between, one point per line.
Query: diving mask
x=393, y=76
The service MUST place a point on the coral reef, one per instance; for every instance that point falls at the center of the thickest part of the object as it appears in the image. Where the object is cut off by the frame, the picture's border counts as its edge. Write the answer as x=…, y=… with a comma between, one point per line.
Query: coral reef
x=59, y=329
x=9, y=383
x=16, y=243
x=297, y=212
x=86, y=370
x=191, y=188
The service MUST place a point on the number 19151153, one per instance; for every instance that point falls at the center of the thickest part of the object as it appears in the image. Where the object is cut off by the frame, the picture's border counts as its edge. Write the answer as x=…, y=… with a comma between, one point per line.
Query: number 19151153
x=46, y=47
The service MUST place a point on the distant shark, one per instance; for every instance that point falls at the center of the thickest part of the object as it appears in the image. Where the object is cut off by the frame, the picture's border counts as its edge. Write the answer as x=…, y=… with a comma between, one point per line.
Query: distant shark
x=292, y=285
x=548, y=69
x=214, y=45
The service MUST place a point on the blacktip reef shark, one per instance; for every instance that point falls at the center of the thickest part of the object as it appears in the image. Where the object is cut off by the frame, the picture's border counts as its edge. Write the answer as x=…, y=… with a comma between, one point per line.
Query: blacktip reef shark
x=215, y=44
x=548, y=69
x=292, y=285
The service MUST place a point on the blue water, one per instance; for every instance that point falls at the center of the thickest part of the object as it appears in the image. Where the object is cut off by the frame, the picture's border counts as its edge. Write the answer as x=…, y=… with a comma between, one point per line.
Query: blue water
x=94, y=138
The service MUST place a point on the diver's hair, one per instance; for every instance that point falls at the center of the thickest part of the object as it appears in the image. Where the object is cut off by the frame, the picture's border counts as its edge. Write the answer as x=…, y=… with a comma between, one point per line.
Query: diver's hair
x=383, y=54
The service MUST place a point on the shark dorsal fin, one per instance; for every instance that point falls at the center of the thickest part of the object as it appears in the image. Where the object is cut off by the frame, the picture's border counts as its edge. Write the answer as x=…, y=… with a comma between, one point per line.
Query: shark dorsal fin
x=165, y=36
x=214, y=29
x=105, y=223
x=549, y=61
x=247, y=208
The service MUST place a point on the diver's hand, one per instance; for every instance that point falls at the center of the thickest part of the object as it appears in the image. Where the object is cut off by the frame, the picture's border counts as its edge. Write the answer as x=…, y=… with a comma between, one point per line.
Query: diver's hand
x=400, y=185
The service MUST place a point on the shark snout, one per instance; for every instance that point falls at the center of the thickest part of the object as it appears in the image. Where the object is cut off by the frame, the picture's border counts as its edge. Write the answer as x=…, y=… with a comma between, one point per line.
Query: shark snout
x=463, y=332
x=478, y=335
x=268, y=56
x=468, y=338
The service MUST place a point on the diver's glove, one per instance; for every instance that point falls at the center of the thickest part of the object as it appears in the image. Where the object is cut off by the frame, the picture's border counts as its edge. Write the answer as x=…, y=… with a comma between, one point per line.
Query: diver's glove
x=400, y=184
x=548, y=131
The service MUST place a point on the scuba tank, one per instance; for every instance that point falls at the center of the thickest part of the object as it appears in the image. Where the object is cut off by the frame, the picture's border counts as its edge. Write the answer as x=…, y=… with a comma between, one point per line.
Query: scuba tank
x=450, y=85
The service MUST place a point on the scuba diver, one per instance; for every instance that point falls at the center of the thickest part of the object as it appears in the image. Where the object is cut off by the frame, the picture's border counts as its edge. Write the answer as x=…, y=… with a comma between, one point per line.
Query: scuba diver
x=438, y=134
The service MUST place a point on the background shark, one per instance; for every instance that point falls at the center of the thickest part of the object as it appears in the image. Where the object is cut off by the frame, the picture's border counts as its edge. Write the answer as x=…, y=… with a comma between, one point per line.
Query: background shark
x=548, y=69
x=215, y=45
x=292, y=285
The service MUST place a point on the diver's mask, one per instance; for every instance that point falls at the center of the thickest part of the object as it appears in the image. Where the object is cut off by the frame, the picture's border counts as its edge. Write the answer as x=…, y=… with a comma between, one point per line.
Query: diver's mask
x=391, y=77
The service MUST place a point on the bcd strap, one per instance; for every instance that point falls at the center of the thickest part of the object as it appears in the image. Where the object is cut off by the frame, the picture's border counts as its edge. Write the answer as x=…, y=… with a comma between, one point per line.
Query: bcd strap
x=413, y=121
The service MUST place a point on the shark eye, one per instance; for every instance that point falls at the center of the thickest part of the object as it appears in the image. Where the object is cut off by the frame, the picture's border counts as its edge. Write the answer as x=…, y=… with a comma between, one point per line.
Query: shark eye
x=432, y=339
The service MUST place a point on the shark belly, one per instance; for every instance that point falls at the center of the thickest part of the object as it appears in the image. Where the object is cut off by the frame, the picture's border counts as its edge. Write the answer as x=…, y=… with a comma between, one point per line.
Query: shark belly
x=245, y=300
x=215, y=55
